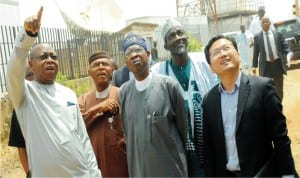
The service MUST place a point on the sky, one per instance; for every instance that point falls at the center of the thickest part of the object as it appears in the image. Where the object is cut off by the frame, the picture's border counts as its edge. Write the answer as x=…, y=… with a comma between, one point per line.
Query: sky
x=279, y=9
x=130, y=8
x=276, y=9
x=139, y=8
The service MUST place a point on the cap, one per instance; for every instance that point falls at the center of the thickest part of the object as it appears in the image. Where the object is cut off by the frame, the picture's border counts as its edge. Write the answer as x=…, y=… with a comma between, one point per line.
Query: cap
x=97, y=55
x=170, y=23
x=132, y=39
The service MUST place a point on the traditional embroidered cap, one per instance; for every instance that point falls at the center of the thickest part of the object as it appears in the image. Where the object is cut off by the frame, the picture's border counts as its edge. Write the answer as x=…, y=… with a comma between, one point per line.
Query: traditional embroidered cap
x=170, y=23
x=132, y=39
x=97, y=55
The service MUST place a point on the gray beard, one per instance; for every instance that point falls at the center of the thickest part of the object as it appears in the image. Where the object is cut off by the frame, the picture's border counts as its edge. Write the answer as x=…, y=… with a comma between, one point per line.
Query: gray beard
x=181, y=50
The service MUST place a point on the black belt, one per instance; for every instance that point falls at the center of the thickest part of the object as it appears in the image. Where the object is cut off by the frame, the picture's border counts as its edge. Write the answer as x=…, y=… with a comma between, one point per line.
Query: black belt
x=233, y=173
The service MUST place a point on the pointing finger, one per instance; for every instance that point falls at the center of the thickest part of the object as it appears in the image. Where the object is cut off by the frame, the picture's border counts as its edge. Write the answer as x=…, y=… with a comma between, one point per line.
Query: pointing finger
x=39, y=15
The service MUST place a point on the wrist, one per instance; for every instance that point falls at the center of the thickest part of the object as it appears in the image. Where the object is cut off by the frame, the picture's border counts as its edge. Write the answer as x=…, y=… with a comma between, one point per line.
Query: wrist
x=29, y=33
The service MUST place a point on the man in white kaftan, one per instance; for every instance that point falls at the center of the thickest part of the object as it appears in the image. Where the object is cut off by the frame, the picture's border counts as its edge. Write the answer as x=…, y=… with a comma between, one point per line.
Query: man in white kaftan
x=56, y=139
x=244, y=42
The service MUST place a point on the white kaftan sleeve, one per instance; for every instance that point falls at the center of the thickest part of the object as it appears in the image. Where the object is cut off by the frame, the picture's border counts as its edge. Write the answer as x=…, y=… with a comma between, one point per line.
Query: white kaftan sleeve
x=88, y=149
x=16, y=67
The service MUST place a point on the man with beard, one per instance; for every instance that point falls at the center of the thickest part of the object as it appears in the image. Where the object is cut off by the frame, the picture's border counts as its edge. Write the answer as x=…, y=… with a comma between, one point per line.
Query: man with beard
x=57, y=143
x=195, y=79
x=153, y=118
x=100, y=110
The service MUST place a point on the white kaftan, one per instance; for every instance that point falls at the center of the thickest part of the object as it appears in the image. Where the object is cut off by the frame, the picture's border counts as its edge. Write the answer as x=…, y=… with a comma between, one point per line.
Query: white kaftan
x=56, y=139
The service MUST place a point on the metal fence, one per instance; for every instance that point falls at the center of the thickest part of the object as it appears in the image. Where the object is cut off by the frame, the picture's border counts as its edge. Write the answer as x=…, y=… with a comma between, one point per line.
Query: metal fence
x=73, y=48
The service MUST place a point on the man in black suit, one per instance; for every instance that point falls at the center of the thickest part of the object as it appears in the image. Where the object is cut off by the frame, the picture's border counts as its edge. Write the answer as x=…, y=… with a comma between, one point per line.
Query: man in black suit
x=120, y=76
x=272, y=54
x=243, y=123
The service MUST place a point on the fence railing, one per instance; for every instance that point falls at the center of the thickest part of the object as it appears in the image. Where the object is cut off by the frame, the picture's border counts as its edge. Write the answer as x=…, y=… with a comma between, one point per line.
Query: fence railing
x=73, y=48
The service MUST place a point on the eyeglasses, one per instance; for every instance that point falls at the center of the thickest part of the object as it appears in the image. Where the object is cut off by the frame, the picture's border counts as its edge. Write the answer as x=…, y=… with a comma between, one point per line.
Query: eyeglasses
x=46, y=56
x=130, y=51
x=217, y=52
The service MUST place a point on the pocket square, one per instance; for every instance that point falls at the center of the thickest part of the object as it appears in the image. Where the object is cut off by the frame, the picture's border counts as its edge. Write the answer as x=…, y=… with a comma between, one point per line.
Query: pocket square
x=70, y=103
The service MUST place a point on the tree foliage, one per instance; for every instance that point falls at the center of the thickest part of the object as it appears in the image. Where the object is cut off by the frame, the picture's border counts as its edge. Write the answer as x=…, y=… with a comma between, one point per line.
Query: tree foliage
x=194, y=45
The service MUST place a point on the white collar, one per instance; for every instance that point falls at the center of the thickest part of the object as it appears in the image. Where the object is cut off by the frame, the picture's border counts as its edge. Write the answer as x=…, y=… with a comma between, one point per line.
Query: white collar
x=268, y=32
x=144, y=84
x=103, y=94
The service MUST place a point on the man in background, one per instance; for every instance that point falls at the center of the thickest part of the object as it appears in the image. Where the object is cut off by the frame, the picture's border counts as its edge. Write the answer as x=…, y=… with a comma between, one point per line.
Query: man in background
x=244, y=42
x=154, y=54
x=255, y=25
x=121, y=75
x=269, y=54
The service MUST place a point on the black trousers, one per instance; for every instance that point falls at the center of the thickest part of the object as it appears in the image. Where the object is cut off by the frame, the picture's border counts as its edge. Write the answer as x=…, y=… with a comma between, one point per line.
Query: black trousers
x=274, y=70
x=233, y=174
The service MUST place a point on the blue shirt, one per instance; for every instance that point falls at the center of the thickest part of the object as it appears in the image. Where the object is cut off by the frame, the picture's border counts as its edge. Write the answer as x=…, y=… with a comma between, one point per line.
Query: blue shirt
x=229, y=102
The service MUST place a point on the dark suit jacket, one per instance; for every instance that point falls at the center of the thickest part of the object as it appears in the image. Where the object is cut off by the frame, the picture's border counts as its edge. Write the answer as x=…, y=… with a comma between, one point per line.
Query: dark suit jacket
x=260, y=124
x=120, y=76
x=259, y=51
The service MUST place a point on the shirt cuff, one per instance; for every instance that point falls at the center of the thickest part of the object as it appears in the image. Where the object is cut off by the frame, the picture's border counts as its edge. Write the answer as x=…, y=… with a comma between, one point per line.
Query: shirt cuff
x=24, y=41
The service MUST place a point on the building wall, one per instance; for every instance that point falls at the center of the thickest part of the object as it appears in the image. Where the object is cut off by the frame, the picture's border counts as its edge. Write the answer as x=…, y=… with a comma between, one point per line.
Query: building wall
x=233, y=23
x=7, y=8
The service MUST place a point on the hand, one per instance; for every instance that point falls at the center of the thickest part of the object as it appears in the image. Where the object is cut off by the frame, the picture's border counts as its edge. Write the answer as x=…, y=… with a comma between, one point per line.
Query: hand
x=254, y=71
x=122, y=145
x=251, y=43
x=110, y=106
x=32, y=24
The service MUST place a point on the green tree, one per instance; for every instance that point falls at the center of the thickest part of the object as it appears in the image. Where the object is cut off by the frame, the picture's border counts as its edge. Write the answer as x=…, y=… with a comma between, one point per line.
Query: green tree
x=194, y=45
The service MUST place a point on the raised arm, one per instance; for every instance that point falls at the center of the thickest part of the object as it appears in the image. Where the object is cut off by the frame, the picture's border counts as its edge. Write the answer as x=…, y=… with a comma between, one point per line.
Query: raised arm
x=16, y=66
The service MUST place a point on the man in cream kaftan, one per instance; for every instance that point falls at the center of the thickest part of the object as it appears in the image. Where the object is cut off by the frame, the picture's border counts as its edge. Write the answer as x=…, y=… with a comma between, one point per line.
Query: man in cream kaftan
x=57, y=143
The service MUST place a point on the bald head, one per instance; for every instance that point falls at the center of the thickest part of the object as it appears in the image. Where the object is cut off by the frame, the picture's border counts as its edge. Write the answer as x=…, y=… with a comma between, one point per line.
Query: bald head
x=38, y=48
x=265, y=23
x=43, y=62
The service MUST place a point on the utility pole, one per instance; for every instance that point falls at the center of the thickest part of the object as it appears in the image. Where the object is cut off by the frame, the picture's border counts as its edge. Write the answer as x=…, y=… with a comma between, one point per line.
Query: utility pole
x=296, y=8
x=213, y=7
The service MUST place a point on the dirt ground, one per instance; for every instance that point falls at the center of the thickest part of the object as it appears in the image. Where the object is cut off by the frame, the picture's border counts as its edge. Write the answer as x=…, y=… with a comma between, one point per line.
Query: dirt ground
x=291, y=107
x=11, y=168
